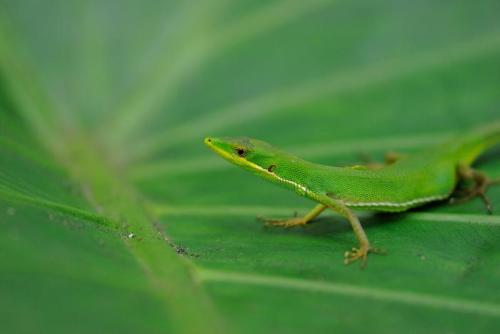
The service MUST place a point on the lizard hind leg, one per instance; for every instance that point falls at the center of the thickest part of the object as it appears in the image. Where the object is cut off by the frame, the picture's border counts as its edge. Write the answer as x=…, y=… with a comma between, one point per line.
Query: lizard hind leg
x=390, y=158
x=481, y=183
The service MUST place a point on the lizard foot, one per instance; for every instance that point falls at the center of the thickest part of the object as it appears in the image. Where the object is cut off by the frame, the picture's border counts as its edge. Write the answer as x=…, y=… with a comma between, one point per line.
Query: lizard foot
x=361, y=254
x=292, y=222
x=478, y=190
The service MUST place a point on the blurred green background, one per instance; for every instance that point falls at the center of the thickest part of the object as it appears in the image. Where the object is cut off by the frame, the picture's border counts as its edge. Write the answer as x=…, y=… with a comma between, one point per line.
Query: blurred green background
x=114, y=217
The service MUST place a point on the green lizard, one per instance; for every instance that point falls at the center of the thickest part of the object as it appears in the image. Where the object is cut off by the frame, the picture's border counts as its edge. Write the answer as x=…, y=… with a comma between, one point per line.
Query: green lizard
x=404, y=182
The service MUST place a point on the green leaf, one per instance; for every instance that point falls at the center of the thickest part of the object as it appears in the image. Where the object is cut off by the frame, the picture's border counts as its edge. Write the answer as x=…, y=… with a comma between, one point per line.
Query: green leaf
x=114, y=217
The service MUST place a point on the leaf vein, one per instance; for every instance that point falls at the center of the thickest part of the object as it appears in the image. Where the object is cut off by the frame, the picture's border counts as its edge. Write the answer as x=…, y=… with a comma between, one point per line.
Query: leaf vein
x=394, y=296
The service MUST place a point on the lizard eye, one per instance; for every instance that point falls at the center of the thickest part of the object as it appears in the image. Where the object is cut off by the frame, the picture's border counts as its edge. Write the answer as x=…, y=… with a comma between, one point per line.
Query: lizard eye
x=241, y=152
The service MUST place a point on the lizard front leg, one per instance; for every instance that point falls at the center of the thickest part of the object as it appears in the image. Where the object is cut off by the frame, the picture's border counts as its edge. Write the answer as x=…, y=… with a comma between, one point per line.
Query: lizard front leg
x=296, y=221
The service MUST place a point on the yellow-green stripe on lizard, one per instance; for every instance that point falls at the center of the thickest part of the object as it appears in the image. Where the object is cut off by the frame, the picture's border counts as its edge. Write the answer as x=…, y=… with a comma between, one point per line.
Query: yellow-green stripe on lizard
x=408, y=181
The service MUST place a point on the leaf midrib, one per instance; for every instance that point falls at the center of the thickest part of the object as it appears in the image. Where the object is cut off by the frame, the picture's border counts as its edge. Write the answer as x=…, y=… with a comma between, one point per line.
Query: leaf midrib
x=171, y=277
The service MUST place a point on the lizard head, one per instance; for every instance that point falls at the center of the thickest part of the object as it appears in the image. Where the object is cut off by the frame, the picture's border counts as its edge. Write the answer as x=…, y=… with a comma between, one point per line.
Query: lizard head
x=248, y=153
x=262, y=159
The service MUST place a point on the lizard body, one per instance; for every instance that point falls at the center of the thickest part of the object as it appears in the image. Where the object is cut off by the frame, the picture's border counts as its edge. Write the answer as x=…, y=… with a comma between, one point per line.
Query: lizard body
x=409, y=181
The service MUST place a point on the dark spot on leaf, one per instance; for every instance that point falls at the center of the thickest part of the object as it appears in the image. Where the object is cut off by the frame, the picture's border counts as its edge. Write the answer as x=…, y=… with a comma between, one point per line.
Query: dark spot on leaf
x=271, y=168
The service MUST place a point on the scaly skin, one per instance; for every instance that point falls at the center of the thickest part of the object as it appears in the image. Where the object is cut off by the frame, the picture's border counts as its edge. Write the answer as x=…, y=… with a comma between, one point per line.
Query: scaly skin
x=410, y=181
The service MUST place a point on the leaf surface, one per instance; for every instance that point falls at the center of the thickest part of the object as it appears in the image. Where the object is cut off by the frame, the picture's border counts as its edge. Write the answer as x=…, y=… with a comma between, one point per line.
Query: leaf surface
x=114, y=217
